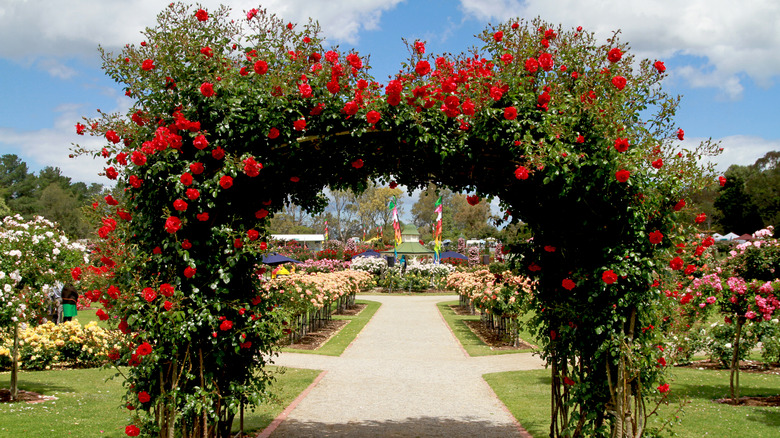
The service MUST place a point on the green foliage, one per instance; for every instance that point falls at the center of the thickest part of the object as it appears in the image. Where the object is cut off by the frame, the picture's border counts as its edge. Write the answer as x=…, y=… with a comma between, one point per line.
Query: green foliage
x=719, y=343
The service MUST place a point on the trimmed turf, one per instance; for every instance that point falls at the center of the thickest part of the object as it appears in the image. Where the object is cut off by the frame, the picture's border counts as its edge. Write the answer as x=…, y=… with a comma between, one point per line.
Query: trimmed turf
x=470, y=341
x=527, y=395
x=338, y=343
x=88, y=405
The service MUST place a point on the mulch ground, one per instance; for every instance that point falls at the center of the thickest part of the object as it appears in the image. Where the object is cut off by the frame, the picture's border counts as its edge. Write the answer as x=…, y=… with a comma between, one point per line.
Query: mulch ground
x=24, y=396
x=316, y=339
x=494, y=340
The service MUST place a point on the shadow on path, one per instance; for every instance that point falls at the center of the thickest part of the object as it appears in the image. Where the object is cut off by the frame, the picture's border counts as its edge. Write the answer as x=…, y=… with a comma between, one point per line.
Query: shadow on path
x=411, y=427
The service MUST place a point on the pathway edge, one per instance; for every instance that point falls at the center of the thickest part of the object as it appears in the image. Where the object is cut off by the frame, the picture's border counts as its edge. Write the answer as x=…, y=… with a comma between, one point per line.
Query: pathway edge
x=523, y=433
x=265, y=433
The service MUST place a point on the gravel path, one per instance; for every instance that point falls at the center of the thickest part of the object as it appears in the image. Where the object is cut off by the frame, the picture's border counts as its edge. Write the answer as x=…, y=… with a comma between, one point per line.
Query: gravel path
x=404, y=376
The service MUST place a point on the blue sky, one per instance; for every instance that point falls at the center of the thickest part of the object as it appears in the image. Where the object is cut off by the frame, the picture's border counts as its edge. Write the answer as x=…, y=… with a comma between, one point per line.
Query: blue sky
x=724, y=60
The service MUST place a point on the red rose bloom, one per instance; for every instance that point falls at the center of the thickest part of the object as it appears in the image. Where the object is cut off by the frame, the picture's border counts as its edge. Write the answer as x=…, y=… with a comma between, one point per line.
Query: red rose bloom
x=207, y=52
x=609, y=277
x=690, y=269
x=510, y=113
x=722, y=180
x=531, y=65
x=200, y=142
x=167, y=305
x=680, y=134
x=568, y=284
x=533, y=267
x=149, y=294
x=80, y=129
x=134, y=181
x=261, y=67
x=144, y=397
x=101, y=314
x=201, y=15
x=614, y=55
x=521, y=173
x=252, y=167
x=192, y=194
x=422, y=68
x=180, y=205
x=659, y=163
x=263, y=246
x=656, y=237
x=132, y=430
x=75, y=273
x=273, y=133
x=203, y=217
x=186, y=178
x=622, y=175
x=546, y=61
x=172, y=224
x=226, y=182
x=700, y=218
x=621, y=144
x=300, y=125
x=253, y=234
x=189, y=272
x=218, y=153
x=238, y=243
x=373, y=116
x=676, y=263
x=207, y=89
x=196, y=168
x=659, y=65
x=419, y=47
x=357, y=164
x=393, y=184
x=498, y=36
x=261, y=213
x=226, y=325
x=619, y=82
x=166, y=290
x=143, y=349
x=663, y=388
x=147, y=65
x=679, y=206
x=472, y=200
x=112, y=136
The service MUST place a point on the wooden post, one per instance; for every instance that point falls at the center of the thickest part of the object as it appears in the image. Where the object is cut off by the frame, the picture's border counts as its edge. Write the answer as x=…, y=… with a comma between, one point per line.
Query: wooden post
x=15, y=363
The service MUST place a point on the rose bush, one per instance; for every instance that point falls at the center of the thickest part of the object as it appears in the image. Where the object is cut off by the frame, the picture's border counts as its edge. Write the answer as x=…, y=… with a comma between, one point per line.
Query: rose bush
x=532, y=118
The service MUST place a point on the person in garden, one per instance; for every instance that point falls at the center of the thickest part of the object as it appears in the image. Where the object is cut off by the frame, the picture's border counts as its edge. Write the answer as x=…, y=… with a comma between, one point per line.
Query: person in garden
x=70, y=297
x=55, y=303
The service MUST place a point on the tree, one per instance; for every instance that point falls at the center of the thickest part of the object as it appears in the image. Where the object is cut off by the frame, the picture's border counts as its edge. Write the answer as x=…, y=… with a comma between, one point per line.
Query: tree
x=738, y=212
x=61, y=206
x=19, y=185
x=372, y=205
x=343, y=207
x=472, y=220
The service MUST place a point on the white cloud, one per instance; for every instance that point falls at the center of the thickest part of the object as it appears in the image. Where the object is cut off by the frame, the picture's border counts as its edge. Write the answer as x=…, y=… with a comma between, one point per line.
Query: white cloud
x=743, y=150
x=54, y=28
x=55, y=68
x=731, y=38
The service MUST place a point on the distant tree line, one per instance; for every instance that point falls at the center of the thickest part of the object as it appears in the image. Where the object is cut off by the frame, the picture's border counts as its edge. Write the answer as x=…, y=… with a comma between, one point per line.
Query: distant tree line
x=748, y=200
x=48, y=194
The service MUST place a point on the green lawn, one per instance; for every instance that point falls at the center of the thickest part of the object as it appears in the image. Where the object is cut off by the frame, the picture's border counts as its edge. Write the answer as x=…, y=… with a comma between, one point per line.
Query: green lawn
x=471, y=342
x=527, y=395
x=338, y=343
x=89, y=406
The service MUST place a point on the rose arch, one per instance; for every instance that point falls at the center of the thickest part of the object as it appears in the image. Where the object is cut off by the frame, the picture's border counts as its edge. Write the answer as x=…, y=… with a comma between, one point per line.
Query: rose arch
x=234, y=118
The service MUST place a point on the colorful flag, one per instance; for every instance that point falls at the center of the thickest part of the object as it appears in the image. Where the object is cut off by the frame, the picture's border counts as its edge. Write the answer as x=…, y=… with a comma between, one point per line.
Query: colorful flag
x=396, y=224
x=437, y=230
x=326, y=231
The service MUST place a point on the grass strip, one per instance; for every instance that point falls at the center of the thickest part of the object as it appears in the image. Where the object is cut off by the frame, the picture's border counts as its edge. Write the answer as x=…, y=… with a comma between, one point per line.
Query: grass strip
x=89, y=405
x=468, y=339
x=339, y=342
x=527, y=395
